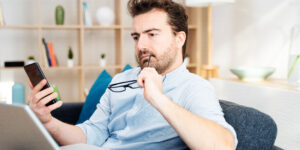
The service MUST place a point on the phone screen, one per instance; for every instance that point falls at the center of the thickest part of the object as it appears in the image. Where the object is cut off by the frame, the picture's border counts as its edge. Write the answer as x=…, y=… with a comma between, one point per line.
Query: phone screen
x=35, y=74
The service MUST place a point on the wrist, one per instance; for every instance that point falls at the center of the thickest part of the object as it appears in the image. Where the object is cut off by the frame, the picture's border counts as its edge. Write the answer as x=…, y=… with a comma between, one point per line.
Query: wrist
x=159, y=101
x=50, y=124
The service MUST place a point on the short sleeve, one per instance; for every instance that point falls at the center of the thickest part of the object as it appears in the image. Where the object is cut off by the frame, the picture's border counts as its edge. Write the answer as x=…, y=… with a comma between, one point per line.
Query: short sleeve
x=95, y=128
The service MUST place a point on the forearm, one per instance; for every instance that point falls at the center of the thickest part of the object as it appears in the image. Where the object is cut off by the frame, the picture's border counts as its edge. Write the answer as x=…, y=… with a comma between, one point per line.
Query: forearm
x=64, y=133
x=196, y=132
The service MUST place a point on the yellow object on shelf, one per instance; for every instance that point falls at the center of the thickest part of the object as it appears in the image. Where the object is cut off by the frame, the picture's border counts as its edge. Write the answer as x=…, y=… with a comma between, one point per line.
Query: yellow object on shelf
x=209, y=71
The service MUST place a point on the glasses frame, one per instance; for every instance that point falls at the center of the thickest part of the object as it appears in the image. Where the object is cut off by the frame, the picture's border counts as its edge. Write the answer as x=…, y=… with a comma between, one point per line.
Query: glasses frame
x=127, y=84
x=124, y=85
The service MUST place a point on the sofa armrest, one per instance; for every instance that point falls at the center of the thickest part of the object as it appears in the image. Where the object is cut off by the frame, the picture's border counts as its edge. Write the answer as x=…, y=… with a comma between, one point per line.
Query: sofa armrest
x=276, y=148
x=254, y=129
x=68, y=112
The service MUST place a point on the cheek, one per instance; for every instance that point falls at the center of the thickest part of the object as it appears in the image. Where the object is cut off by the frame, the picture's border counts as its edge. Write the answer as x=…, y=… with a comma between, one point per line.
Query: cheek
x=163, y=46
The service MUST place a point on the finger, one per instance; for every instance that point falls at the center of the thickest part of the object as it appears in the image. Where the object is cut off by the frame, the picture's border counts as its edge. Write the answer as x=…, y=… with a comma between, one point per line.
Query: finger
x=42, y=94
x=30, y=84
x=55, y=106
x=28, y=100
x=47, y=99
x=39, y=86
x=140, y=80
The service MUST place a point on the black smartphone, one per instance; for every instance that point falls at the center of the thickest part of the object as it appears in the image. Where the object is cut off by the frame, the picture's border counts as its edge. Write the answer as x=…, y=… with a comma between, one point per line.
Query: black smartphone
x=36, y=75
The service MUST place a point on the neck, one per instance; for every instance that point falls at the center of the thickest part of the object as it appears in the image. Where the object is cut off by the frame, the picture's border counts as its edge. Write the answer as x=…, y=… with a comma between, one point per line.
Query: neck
x=174, y=66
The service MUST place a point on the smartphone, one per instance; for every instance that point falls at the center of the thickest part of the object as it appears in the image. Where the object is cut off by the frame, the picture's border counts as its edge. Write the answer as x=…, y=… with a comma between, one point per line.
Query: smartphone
x=36, y=75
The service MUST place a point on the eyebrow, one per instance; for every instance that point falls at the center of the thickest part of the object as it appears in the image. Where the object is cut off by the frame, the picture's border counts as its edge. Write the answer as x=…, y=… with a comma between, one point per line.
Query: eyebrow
x=146, y=31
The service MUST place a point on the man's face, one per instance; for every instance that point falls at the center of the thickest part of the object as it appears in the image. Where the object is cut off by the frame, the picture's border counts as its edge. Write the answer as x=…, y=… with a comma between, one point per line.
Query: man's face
x=154, y=36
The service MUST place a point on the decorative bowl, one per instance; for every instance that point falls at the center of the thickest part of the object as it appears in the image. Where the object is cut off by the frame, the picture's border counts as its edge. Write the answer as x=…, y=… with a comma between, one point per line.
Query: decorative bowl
x=252, y=73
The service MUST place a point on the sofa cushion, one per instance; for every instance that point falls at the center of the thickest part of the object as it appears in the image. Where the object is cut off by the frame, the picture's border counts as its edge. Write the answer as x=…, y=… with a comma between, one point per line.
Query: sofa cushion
x=254, y=129
x=96, y=92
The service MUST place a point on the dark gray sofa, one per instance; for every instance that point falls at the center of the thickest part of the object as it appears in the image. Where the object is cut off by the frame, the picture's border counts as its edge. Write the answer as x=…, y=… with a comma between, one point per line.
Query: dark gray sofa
x=255, y=130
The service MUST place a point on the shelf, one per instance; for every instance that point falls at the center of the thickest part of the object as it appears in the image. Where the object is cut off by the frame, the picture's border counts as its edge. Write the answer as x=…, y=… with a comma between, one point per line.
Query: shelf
x=11, y=68
x=62, y=27
x=62, y=68
x=102, y=27
x=44, y=68
x=28, y=27
x=96, y=67
x=273, y=83
x=191, y=65
x=191, y=27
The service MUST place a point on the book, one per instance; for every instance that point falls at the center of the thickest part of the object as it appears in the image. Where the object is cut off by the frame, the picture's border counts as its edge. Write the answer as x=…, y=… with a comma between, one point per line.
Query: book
x=52, y=54
x=47, y=52
x=44, y=56
x=1, y=17
x=87, y=15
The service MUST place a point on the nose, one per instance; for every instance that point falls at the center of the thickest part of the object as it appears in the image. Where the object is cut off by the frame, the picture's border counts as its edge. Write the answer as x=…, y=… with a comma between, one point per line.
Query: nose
x=142, y=43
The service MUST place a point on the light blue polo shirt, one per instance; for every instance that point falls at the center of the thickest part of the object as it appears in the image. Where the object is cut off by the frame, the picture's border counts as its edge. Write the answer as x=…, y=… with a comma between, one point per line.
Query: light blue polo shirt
x=125, y=120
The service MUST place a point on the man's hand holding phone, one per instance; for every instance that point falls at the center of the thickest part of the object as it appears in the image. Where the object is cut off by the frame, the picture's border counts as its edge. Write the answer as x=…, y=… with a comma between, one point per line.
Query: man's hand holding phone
x=38, y=99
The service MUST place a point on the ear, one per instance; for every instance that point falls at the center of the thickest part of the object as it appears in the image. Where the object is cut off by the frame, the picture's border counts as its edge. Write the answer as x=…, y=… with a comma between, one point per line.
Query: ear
x=180, y=39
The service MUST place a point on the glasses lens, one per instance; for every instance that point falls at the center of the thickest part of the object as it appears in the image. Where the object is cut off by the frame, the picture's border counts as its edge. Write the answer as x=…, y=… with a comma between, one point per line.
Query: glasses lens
x=133, y=86
x=117, y=89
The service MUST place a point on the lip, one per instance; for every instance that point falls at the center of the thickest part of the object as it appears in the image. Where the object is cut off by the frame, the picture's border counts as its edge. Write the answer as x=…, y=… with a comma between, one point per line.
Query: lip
x=145, y=57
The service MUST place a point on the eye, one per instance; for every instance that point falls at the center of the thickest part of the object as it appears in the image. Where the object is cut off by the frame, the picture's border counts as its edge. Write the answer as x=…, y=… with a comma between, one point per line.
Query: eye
x=135, y=37
x=152, y=34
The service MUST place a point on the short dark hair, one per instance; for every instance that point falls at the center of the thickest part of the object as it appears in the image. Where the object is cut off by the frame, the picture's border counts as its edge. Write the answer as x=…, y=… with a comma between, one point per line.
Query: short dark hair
x=177, y=17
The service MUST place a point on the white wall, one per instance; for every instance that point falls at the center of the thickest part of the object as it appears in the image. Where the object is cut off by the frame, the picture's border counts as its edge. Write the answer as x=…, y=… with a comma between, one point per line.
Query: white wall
x=254, y=33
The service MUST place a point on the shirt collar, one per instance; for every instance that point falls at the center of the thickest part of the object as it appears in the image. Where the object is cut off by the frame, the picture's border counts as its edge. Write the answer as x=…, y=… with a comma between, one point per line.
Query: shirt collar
x=177, y=72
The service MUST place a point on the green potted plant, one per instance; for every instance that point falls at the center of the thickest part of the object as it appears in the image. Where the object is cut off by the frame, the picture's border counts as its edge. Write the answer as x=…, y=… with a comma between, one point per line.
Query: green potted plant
x=70, y=62
x=30, y=59
x=102, y=61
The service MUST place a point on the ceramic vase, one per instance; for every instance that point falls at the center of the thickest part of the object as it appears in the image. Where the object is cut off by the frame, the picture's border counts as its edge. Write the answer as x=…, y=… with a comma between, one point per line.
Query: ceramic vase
x=102, y=62
x=59, y=15
x=30, y=62
x=105, y=16
x=70, y=63
x=186, y=61
x=18, y=93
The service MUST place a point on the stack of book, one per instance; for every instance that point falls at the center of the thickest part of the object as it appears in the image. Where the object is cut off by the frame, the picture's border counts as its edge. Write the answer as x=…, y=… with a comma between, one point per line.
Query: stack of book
x=48, y=54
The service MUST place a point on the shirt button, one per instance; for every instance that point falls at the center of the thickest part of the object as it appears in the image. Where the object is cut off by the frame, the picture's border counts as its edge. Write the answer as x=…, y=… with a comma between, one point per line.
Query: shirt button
x=135, y=108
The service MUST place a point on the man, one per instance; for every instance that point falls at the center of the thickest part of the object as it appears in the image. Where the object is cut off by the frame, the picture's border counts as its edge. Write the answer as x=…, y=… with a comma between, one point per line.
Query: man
x=159, y=105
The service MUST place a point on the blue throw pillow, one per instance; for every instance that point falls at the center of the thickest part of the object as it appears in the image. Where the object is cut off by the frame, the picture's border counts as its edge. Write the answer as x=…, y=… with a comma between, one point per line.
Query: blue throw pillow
x=96, y=92
x=92, y=99
x=127, y=67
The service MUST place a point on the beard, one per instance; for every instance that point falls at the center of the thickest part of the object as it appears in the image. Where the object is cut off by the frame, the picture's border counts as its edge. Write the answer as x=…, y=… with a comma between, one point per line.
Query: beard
x=160, y=63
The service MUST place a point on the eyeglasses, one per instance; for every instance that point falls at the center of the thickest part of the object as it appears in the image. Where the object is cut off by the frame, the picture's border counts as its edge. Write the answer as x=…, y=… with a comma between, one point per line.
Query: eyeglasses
x=121, y=86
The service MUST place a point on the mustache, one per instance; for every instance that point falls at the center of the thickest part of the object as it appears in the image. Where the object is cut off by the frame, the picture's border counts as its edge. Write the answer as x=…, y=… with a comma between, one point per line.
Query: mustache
x=145, y=52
